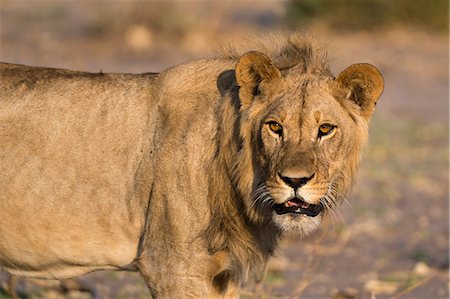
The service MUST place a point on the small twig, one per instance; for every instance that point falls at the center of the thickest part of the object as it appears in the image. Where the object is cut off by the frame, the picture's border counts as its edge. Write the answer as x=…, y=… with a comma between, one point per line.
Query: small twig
x=12, y=283
x=414, y=286
x=310, y=265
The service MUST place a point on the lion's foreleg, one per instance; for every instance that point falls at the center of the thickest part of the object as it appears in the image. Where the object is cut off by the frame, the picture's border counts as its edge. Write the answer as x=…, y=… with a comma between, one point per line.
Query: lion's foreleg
x=191, y=276
x=165, y=282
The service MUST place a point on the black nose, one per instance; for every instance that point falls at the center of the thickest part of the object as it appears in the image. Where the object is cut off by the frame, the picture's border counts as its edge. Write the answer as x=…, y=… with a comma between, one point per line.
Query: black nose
x=296, y=182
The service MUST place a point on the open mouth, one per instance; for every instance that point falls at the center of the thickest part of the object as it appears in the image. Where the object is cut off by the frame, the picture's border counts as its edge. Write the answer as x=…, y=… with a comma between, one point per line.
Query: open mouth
x=298, y=206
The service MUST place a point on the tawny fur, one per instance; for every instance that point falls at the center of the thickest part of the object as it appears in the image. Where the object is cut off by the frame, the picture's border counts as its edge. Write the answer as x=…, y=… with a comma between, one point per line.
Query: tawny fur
x=175, y=174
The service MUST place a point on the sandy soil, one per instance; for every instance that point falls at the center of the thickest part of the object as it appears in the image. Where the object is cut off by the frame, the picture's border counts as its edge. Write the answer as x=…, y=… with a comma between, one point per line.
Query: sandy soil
x=389, y=241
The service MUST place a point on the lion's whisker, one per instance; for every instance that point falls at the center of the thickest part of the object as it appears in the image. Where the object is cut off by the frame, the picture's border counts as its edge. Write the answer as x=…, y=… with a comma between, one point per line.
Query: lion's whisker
x=326, y=204
x=261, y=197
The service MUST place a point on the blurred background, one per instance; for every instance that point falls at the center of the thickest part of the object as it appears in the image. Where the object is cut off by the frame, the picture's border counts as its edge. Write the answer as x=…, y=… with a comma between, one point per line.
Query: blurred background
x=392, y=239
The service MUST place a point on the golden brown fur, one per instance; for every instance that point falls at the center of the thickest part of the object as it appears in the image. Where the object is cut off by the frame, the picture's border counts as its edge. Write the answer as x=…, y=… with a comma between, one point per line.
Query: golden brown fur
x=180, y=175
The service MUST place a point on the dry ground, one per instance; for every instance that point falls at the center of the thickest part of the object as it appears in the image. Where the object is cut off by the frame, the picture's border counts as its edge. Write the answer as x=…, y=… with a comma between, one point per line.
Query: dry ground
x=391, y=240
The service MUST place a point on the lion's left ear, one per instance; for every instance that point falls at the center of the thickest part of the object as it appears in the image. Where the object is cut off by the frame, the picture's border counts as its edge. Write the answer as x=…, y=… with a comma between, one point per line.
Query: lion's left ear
x=363, y=84
x=251, y=69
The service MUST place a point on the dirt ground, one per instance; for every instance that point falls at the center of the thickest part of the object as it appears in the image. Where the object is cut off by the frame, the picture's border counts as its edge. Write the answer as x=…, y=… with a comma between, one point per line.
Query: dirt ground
x=390, y=240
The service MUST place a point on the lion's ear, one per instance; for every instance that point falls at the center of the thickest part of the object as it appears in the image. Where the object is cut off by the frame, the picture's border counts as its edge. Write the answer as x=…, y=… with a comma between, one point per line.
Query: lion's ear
x=252, y=68
x=363, y=84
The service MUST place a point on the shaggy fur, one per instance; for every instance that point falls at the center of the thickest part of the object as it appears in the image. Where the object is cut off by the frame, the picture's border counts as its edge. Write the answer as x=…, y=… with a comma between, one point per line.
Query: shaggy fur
x=176, y=174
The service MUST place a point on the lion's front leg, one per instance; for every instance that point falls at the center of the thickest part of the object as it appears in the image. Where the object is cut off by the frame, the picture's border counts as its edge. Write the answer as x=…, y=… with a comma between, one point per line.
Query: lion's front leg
x=193, y=276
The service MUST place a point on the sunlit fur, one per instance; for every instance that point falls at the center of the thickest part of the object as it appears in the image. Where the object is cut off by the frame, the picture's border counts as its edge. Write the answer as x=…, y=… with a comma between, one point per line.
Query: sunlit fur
x=175, y=174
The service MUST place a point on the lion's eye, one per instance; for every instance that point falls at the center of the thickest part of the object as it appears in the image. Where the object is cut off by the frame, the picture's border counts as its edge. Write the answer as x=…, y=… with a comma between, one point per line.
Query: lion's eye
x=275, y=127
x=326, y=129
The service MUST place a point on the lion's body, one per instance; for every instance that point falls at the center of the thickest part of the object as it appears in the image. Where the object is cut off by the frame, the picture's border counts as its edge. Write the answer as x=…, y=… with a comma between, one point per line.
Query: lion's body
x=152, y=172
x=71, y=150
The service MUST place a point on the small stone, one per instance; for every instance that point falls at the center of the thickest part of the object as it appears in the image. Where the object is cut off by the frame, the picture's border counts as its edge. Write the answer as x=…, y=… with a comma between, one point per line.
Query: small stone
x=139, y=38
x=381, y=287
x=422, y=269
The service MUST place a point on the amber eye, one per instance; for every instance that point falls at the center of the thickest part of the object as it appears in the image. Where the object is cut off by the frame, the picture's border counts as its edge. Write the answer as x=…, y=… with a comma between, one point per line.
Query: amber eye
x=275, y=127
x=326, y=129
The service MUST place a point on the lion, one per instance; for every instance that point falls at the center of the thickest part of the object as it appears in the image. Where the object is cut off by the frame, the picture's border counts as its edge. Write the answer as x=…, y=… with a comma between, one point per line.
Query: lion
x=190, y=176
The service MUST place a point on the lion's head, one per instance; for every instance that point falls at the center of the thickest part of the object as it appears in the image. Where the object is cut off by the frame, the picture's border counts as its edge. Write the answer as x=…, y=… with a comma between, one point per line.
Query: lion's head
x=302, y=131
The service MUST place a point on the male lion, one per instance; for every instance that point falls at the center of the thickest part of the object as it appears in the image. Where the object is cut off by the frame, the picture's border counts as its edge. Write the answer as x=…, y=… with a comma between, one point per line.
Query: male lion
x=189, y=176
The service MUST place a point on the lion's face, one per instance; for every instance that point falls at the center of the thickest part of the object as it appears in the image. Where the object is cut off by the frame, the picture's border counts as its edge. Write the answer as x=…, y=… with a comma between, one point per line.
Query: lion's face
x=305, y=137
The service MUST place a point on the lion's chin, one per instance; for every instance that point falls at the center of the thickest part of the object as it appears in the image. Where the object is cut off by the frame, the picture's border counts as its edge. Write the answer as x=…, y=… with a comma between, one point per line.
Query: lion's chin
x=300, y=224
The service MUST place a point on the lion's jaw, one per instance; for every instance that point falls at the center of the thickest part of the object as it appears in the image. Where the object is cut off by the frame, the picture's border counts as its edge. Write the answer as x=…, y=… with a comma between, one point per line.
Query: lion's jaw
x=294, y=210
x=299, y=210
x=300, y=224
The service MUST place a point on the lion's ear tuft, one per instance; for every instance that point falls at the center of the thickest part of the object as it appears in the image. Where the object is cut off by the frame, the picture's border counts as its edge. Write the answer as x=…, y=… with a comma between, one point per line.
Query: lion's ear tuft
x=252, y=68
x=364, y=85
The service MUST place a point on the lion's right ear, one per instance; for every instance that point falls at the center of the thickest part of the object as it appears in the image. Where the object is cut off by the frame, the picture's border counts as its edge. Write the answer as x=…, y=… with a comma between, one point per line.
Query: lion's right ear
x=251, y=69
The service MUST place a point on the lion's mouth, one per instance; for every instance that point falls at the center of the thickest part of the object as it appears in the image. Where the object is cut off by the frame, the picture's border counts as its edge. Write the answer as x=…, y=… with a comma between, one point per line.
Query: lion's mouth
x=298, y=206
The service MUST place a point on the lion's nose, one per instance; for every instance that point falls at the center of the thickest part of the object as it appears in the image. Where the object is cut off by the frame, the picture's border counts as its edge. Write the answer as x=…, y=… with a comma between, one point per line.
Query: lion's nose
x=297, y=181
